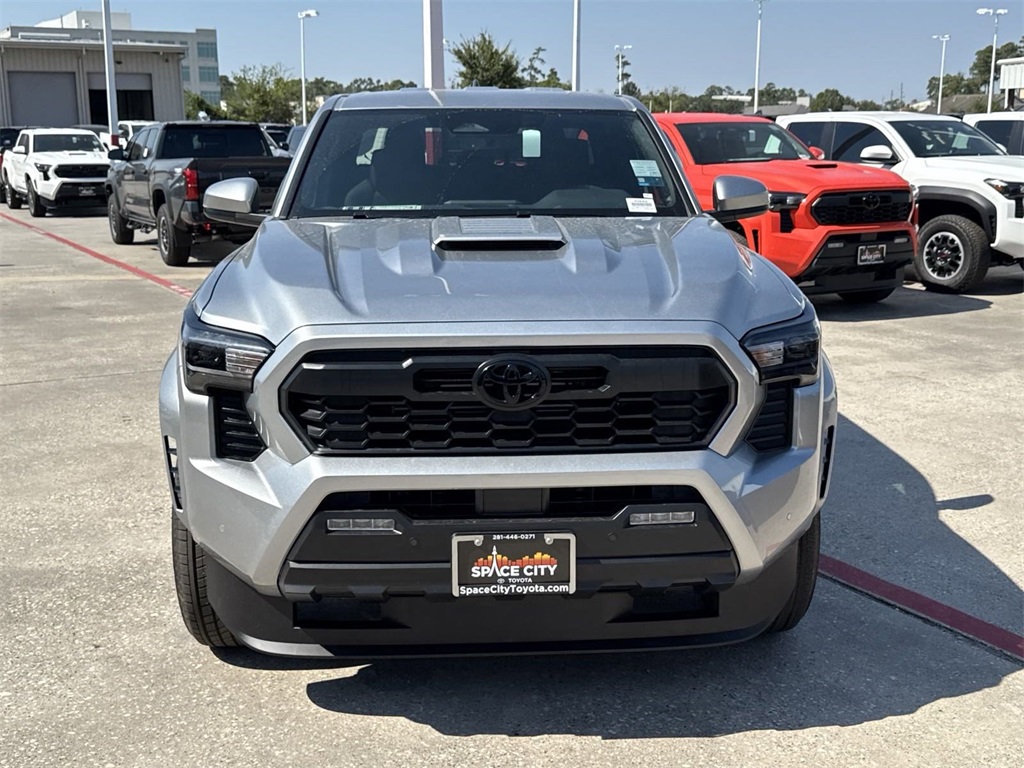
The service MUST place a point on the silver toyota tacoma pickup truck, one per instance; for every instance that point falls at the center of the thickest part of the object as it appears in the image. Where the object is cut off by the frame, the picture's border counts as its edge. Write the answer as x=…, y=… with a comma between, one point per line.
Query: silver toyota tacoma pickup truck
x=487, y=380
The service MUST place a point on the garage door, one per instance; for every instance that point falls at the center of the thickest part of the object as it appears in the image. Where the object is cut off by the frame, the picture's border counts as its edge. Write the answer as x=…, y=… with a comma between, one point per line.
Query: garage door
x=47, y=99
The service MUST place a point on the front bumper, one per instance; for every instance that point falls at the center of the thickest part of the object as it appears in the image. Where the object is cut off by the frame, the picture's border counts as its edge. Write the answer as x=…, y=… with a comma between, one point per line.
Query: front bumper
x=1009, y=236
x=249, y=516
x=80, y=193
x=835, y=268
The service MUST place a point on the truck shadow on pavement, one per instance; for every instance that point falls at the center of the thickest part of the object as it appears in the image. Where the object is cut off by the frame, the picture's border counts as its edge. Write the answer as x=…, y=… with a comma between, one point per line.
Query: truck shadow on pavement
x=851, y=661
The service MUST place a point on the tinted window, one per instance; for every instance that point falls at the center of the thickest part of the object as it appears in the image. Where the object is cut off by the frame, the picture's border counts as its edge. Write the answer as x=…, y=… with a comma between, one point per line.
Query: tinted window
x=8, y=136
x=997, y=130
x=68, y=142
x=133, y=152
x=214, y=141
x=279, y=135
x=944, y=138
x=811, y=134
x=494, y=161
x=736, y=142
x=853, y=138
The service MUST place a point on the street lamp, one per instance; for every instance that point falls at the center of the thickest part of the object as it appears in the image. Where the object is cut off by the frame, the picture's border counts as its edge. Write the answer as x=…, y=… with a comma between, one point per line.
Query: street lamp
x=942, y=69
x=995, y=13
x=303, y=15
x=620, y=53
x=757, y=58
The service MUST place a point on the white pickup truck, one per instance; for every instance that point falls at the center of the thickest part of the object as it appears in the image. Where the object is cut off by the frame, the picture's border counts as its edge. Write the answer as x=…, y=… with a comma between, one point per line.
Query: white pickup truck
x=970, y=192
x=53, y=168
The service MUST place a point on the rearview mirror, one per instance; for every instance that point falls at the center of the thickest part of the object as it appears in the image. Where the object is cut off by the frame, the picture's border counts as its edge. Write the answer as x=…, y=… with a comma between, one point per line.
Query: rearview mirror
x=115, y=154
x=817, y=153
x=738, y=197
x=879, y=153
x=234, y=201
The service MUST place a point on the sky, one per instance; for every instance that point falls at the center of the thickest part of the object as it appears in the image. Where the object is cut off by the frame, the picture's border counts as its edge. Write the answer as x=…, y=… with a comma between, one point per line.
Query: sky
x=865, y=48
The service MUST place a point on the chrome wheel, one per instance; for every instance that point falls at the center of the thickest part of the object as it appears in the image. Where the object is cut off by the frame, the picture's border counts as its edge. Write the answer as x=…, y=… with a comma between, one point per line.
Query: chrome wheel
x=943, y=255
x=111, y=213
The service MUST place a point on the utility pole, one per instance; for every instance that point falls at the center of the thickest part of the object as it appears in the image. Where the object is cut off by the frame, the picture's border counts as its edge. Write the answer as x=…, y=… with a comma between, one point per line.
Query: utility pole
x=995, y=13
x=433, y=44
x=303, y=15
x=620, y=53
x=942, y=69
x=757, y=59
x=108, y=55
x=576, y=45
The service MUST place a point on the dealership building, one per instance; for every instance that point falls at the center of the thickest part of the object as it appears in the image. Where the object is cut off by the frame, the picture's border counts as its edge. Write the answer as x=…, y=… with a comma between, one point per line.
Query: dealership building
x=53, y=74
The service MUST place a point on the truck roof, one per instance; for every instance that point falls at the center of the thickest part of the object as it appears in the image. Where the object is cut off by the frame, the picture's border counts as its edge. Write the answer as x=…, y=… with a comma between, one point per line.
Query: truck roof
x=709, y=117
x=887, y=117
x=482, y=98
x=58, y=131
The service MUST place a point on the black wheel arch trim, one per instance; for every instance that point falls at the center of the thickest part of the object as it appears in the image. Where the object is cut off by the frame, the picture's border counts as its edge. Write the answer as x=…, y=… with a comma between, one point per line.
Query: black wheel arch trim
x=983, y=206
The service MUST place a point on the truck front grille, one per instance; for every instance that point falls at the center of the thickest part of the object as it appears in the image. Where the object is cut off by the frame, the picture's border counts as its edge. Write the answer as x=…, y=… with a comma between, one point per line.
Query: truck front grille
x=81, y=171
x=424, y=402
x=773, y=427
x=844, y=209
x=235, y=434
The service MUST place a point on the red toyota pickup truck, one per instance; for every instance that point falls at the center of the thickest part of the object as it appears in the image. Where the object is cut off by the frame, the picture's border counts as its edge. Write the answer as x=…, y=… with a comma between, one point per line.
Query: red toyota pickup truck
x=832, y=227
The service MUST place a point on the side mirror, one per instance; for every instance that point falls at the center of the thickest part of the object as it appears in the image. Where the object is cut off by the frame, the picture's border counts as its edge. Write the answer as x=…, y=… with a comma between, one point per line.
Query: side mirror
x=234, y=201
x=879, y=153
x=817, y=153
x=738, y=197
x=115, y=154
x=19, y=150
x=1003, y=147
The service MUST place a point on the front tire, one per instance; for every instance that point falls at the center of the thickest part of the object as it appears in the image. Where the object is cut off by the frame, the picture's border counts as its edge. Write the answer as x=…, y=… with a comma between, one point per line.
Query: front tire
x=190, y=583
x=35, y=206
x=867, y=297
x=953, y=254
x=169, y=240
x=120, y=232
x=808, y=550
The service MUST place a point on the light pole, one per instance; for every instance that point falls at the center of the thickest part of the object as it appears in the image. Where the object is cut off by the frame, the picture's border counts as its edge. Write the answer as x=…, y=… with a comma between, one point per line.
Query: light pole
x=757, y=59
x=303, y=15
x=942, y=69
x=576, y=45
x=620, y=53
x=995, y=13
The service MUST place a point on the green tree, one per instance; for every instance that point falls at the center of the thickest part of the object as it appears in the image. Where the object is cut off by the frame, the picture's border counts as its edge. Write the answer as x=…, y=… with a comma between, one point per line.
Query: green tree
x=981, y=68
x=867, y=105
x=953, y=84
x=482, y=62
x=263, y=94
x=629, y=88
x=829, y=100
x=532, y=72
x=194, y=104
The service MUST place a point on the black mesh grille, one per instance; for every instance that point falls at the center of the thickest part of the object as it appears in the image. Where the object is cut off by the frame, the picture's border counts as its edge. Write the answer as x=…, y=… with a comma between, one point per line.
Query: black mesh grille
x=236, y=435
x=423, y=402
x=862, y=208
x=772, y=429
x=1018, y=208
x=81, y=171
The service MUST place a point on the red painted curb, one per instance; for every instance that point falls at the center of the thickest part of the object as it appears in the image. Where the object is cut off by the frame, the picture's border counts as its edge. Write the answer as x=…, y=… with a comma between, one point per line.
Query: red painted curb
x=162, y=282
x=919, y=605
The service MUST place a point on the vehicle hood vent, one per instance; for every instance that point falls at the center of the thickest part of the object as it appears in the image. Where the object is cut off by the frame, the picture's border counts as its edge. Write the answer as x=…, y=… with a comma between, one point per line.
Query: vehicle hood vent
x=822, y=166
x=535, y=233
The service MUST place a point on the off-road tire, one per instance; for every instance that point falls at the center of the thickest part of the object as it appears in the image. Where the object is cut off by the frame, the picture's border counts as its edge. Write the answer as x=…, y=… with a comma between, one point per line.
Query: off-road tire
x=173, y=251
x=13, y=201
x=120, y=232
x=867, y=297
x=964, y=235
x=36, y=209
x=190, y=582
x=808, y=549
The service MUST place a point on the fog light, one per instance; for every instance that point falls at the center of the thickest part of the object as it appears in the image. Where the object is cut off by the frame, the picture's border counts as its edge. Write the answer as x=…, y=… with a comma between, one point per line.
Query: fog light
x=662, y=518
x=362, y=524
x=902, y=240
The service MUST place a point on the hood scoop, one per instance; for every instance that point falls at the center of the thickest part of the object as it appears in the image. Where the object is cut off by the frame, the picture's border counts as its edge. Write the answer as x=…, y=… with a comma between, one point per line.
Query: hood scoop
x=505, y=233
x=823, y=165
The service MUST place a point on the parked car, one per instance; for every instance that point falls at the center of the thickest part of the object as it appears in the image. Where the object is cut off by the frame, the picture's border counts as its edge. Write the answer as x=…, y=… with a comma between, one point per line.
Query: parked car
x=8, y=135
x=1004, y=128
x=970, y=194
x=125, y=130
x=291, y=144
x=832, y=227
x=277, y=131
x=54, y=168
x=158, y=179
x=504, y=355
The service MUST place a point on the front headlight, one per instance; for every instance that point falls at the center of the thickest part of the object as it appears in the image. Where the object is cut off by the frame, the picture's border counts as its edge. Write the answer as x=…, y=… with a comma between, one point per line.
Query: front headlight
x=1011, y=189
x=785, y=201
x=44, y=169
x=216, y=357
x=787, y=350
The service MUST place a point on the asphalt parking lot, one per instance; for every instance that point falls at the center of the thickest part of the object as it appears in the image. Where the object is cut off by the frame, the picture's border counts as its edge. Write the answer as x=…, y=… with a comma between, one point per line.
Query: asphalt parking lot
x=98, y=670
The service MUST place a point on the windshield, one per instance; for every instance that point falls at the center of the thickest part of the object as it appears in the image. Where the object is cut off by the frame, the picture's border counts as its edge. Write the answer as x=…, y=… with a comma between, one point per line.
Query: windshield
x=67, y=142
x=213, y=141
x=944, y=138
x=737, y=142
x=455, y=162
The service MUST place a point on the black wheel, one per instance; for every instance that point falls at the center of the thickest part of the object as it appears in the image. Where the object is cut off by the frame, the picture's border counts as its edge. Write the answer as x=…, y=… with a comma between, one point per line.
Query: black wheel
x=953, y=254
x=808, y=549
x=172, y=243
x=13, y=201
x=190, y=583
x=3, y=190
x=867, y=297
x=120, y=232
x=35, y=206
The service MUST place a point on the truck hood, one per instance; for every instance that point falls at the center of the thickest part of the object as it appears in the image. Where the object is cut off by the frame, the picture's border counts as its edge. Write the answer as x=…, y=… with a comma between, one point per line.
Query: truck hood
x=810, y=176
x=295, y=273
x=83, y=158
x=988, y=166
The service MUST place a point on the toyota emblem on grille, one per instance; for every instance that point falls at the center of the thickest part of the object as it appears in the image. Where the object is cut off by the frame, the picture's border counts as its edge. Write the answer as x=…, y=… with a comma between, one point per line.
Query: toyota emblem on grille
x=871, y=201
x=511, y=383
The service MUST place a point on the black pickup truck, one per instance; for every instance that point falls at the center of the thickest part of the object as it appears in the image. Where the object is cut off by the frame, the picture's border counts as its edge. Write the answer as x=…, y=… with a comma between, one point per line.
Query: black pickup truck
x=157, y=182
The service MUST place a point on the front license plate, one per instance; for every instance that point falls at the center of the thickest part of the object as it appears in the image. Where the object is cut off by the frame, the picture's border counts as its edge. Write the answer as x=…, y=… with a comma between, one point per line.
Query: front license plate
x=87, y=191
x=510, y=564
x=871, y=254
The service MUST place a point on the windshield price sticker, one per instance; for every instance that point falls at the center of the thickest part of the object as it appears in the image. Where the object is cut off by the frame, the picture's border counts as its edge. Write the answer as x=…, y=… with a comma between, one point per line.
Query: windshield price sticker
x=647, y=173
x=497, y=564
x=641, y=205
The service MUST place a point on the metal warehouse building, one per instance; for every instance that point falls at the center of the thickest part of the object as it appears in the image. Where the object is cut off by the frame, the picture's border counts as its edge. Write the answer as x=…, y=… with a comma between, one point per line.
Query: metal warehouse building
x=58, y=83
